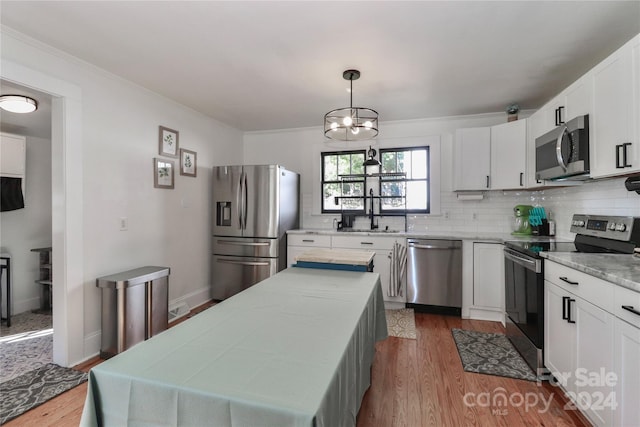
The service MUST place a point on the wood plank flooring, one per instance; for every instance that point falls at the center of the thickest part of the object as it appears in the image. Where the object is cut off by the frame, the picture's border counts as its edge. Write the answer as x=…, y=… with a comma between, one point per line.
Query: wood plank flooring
x=415, y=383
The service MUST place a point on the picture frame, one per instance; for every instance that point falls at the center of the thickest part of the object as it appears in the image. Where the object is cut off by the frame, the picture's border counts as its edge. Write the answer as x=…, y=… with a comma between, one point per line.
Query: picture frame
x=188, y=162
x=163, y=175
x=168, y=142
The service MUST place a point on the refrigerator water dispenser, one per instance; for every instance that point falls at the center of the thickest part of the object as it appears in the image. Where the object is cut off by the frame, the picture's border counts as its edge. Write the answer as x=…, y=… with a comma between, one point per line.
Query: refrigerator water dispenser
x=223, y=214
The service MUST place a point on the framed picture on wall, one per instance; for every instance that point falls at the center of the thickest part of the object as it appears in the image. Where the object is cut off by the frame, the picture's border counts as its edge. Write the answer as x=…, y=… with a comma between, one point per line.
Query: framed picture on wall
x=188, y=162
x=168, y=142
x=163, y=173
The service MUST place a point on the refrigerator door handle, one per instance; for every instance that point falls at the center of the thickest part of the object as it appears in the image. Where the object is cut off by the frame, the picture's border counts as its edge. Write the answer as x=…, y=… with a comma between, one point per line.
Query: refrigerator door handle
x=253, y=263
x=232, y=242
x=245, y=202
x=239, y=203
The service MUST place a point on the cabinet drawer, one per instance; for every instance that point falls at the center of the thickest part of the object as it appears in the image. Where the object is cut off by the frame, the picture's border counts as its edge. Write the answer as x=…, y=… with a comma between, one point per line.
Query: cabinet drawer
x=592, y=289
x=629, y=299
x=312, y=240
x=365, y=242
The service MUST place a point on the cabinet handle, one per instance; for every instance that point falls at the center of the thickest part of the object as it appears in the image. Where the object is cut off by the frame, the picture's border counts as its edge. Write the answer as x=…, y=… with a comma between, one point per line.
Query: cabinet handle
x=487, y=181
x=618, y=148
x=631, y=309
x=569, y=311
x=521, y=179
x=557, y=111
x=564, y=279
x=624, y=155
x=564, y=308
x=308, y=240
x=366, y=243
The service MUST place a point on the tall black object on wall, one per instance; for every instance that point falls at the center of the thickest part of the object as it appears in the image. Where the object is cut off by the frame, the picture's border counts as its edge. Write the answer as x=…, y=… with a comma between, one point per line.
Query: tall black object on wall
x=11, y=194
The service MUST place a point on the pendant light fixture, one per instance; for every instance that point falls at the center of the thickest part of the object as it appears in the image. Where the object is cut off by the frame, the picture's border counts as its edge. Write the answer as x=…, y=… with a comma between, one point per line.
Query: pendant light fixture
x=371, y=161
x=351, y=123
x=18, y=103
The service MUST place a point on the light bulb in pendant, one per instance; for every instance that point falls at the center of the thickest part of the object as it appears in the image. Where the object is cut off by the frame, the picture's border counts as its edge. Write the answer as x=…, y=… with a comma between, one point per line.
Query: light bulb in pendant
x=368, y=125
x=355, y=130
x=334, y=125
x=347, y=121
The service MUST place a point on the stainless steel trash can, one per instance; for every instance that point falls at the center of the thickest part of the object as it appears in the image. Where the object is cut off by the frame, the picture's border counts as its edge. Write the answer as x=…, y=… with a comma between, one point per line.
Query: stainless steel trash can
x=135, y=307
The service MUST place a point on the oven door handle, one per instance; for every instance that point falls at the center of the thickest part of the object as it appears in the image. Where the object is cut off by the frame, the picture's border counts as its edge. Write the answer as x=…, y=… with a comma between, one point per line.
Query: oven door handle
x=523, y=260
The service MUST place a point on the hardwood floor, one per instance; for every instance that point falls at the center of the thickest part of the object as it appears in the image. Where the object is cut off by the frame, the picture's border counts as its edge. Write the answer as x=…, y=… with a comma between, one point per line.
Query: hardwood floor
x=420, y=383
x=415, y=383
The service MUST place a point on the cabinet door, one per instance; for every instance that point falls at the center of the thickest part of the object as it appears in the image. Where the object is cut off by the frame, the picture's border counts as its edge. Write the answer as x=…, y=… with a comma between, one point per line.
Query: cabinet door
x=612, y=121
x=12, y=155
x=627, y=369
x=579, y=98
x=472, y=158
x=509, y=155
x=488, y=276
x=594, y=360
x=559, y=335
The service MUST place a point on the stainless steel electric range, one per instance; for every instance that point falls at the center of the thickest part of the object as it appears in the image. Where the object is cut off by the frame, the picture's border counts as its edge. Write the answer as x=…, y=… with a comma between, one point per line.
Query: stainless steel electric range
x=524, y=275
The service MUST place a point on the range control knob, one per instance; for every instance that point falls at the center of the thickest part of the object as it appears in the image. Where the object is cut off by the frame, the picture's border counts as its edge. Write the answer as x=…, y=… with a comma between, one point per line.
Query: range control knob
x=580, y=223
x=621, y=227
x=612, y=226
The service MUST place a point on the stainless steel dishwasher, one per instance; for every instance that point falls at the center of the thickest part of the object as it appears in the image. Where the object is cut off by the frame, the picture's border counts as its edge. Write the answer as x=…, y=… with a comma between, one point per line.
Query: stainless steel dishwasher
x=434, y=275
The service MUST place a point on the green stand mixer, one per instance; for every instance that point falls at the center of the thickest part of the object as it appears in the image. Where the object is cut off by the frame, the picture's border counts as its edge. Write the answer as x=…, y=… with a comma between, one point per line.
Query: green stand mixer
x=521, y=225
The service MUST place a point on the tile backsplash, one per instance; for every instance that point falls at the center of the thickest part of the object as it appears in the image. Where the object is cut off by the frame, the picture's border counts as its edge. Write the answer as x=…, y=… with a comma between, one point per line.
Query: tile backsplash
x=494, y=213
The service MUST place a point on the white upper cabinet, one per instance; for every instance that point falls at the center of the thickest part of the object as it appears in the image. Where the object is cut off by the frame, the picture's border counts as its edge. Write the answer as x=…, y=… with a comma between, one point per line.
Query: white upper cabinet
x=509, y=155
x=578, y=99
x=12, y=155
x=472, y=159
x=614, y=146
x=491, y=158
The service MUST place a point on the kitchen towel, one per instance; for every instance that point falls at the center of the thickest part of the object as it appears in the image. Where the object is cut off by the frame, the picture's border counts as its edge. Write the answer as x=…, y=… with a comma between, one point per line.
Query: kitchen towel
x=398, y=257
x=11, y=194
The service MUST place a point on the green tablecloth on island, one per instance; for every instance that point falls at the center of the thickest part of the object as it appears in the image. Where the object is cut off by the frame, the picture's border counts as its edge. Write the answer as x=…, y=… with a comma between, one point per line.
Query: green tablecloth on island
x=293, y=350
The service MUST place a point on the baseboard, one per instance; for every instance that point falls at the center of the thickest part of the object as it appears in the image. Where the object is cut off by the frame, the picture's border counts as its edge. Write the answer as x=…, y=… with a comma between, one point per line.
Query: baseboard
x=193, y=299
x=486, y=314
x=21, y=306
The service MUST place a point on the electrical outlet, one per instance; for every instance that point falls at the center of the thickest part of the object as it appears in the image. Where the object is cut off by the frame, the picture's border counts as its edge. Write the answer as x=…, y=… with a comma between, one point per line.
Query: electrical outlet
x=123, y=223
x=474, y=216
x=446, y=215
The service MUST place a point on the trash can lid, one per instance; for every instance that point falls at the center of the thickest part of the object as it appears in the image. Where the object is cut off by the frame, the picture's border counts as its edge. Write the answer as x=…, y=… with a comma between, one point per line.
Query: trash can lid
x=133, y=277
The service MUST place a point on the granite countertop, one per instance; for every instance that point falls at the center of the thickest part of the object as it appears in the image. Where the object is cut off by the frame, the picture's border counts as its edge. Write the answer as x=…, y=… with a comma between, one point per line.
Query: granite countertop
x=622, y=270
x=450, y=235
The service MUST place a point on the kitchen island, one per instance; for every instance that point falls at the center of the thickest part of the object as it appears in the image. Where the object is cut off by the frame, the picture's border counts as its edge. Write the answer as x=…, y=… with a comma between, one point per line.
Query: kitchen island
x=295, y=350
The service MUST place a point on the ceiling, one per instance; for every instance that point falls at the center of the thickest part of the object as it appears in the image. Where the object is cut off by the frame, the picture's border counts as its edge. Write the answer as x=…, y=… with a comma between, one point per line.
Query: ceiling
x=275, y=65
x=36, y=124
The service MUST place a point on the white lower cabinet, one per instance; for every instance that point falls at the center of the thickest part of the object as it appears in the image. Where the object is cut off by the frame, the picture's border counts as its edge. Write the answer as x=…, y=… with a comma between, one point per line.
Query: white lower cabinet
x=591, y=351
x=382, y=262
x=300, y=243
x=559, y=335
x=488, y=281
x=627, y=369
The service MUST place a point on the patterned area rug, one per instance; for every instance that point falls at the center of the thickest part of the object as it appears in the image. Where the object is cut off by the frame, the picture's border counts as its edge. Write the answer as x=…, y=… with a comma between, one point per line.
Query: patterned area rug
x=26, y=345
x=401, y=323
x=491, y=354
x=36, y=387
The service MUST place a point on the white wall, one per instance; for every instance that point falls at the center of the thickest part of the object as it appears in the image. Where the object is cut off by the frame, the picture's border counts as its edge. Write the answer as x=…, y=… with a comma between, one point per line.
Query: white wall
x=299, y=150
x=120, y=138
x=28, y=228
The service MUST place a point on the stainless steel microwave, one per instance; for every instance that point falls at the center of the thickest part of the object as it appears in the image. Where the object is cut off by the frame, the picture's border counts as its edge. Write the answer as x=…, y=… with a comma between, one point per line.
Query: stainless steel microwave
x=563, y=153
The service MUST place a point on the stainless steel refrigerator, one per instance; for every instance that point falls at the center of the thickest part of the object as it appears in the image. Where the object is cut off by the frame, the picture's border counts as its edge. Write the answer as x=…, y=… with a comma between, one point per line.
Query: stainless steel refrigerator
x=253, y=207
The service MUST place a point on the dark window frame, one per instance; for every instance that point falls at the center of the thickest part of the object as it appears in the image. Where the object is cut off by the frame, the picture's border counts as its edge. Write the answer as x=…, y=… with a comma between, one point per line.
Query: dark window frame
x=339, y=181
x=408, y=179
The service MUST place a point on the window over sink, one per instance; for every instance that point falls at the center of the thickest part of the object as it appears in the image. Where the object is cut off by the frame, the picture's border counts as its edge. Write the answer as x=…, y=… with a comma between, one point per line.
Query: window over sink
x=403, y=181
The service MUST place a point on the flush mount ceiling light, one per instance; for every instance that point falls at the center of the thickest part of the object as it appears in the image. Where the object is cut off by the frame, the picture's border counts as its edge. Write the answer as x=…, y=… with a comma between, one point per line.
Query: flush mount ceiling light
x=18, y=103
x=351, y=123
